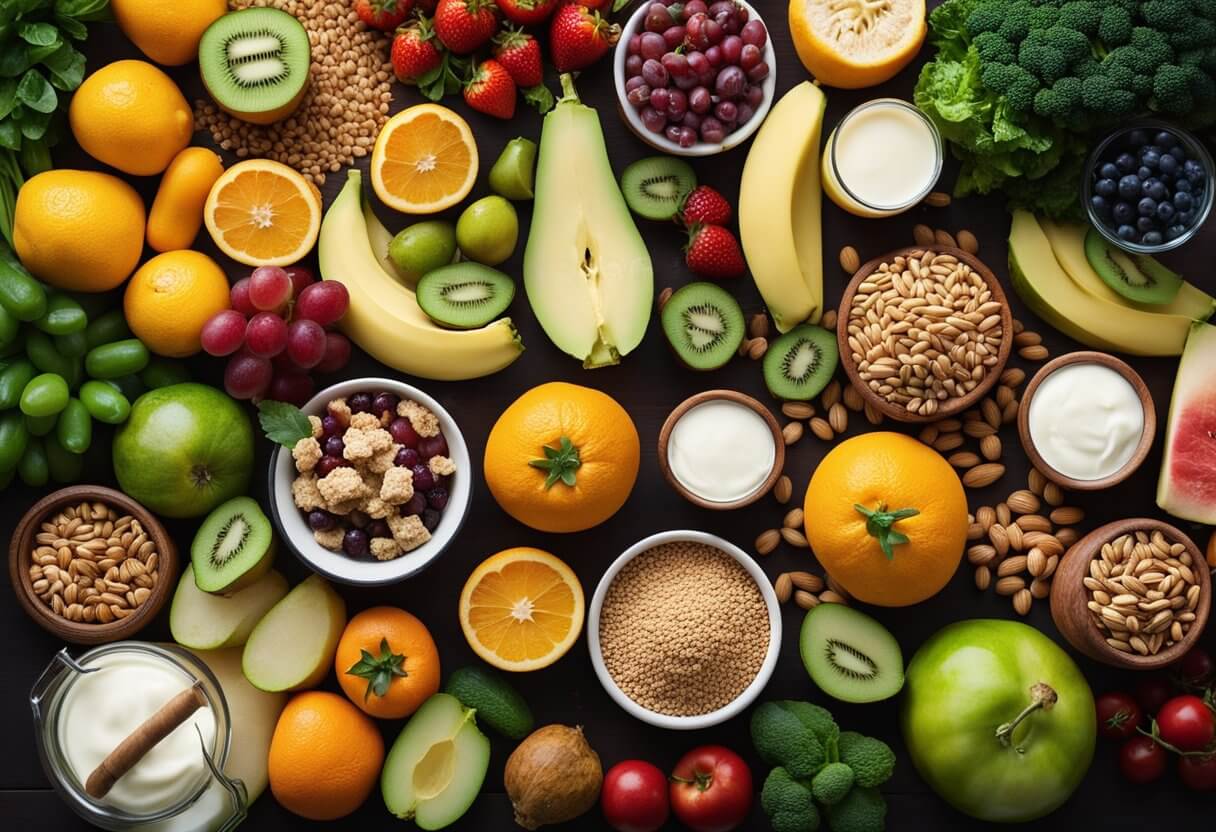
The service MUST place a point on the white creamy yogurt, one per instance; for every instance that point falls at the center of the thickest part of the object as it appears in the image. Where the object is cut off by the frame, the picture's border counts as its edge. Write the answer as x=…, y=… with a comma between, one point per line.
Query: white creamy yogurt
x=721, y=450
x=1086, y=421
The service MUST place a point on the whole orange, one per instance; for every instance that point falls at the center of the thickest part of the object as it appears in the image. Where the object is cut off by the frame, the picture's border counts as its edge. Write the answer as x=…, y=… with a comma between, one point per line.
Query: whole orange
x=325, y=756
x=170, y=298
x=562, y=458
x=387, y=662
x=887, y=518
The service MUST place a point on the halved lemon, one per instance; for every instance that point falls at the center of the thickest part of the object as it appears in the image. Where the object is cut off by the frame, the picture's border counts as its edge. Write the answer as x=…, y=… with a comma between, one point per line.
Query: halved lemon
x=856, y=43
x=425, y=160
x=263, y=213
x=521, y=609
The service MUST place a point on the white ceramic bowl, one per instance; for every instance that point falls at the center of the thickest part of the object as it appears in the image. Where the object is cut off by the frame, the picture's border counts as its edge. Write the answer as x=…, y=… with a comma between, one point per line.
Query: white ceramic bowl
x=686, y=723
x=660, y=142
x=292, y=524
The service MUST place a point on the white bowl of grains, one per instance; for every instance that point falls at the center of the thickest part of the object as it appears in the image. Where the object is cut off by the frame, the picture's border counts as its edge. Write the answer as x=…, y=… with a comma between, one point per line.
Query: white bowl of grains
x=684, y=630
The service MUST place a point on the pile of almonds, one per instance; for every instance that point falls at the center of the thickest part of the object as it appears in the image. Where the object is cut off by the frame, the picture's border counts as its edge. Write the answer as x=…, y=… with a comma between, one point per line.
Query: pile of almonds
x=806, y=590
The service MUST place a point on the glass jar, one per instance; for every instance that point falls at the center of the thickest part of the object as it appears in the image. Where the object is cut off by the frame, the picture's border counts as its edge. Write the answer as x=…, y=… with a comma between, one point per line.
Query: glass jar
x=47, y=701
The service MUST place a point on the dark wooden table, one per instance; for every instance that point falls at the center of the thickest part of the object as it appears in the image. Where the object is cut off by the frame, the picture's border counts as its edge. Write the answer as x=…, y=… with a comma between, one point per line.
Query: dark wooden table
x=648, y=383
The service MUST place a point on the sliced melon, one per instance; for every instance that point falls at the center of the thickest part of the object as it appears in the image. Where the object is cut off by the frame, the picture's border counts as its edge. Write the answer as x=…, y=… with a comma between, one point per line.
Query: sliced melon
x=204, y=621
x=1187, y=486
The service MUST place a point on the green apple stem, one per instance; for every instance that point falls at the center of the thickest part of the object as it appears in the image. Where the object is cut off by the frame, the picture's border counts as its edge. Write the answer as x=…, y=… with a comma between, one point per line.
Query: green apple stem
x=1042, y=696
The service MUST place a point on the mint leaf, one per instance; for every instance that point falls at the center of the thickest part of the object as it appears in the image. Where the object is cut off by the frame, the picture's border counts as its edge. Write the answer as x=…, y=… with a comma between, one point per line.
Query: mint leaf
x=283, y=423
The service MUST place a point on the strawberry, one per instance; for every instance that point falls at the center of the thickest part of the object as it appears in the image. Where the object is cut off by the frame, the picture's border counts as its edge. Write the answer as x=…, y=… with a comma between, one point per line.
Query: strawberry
x=490, y=89
x=578, y=37
x=713, y=252
x=706, y=206
x=416, y=51
x=464, y=25
x=385, y=15
x=519, y=52
x=604, y=6
x=527, y=12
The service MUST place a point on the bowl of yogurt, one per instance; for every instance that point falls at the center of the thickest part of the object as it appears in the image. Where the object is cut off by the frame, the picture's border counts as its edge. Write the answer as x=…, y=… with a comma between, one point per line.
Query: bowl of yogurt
x=1087, y=420
x=721, y=449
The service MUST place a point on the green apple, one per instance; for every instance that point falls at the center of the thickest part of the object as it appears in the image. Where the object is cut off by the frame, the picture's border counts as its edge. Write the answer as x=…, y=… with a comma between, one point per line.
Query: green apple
x=185, y=449
x=201, y=620
x=514, y=172
x=293, y=646
x=422, y=247
x=488, y=230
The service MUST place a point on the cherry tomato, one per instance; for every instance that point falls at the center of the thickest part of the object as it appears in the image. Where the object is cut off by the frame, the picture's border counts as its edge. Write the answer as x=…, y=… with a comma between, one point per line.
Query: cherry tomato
x=711, y=789
x=634, y=797
x=1118, y=715
x=1141, y=760
x=1197, y=667
x=1153, y=692
x=1199, y=773
x=1186, y=723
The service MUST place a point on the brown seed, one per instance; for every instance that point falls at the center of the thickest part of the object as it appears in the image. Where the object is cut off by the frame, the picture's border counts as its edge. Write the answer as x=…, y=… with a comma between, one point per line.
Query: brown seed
x=985, y=516
x=983, y=578
x=850, y=260
x=1040, y=588
x=1013, y=377
x=852, y=398
x=1004, y=395
x=922, y=235
x=967, y=242
x=992, y=412
x=798, y=410
x=873, y=414
x=664, y=296
x=1027, y=339
x=767, y=541
x=1053, y=495
x=830, y=597
x=1035, y=353
x=805, y=600
x=1014, y=532
x=1010, y=585
x=828, y=321
x=1036, y=481
x=744, y=346
x=1067, y=536
x=807, y=581
x=1067, y=515
x=757, y=348
x=975, y=532
x=757, y=325
x=838, y=417
x=793, y=519
x=1003, y=515
x=1049, y=543
x=794, y=537
x=1036, y=562
x=937, y=199
x=978, y=428
x=990, y=447
x=944, y=238
x=999, y=538
x=1009, y=414
x=830, y=395
x=1034, y=523
x=1022, y=599
x=784, y=489
x=980, y=554
x=928, y=434
x=1012, y=565
x=792, y=432
x=1023, y=502
x=783, y=587
x=822, y=429
x=983, y=475
x=963, y=459
x=947, y=442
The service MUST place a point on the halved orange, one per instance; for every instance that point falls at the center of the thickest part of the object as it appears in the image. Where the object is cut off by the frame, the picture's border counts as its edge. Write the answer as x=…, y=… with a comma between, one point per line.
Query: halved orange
x=521, y=609
x=263, y=213
x=425, y=160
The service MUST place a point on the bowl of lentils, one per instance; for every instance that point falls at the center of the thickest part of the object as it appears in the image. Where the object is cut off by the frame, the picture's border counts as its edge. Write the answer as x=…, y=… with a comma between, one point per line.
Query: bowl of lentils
x=1148, y=187
x=684, y=630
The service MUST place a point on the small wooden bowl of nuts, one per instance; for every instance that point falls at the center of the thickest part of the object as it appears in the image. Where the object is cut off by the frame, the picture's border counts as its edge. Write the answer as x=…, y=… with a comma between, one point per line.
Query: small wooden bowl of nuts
x=91, y=565
x=1133, y=594
x=924, y=332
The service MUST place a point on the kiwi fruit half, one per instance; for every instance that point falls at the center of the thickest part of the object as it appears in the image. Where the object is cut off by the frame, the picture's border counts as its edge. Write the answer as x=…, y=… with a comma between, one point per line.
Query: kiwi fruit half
x=655, y=187
x=233, y=547
x=849, y=655
x=254, y=64
x=1137, y=277
x=465, y=295
x=703, y=324
x=799, y=364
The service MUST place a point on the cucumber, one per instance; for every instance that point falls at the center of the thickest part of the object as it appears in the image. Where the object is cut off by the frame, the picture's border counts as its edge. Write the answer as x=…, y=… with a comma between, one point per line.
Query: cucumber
x=497, y=703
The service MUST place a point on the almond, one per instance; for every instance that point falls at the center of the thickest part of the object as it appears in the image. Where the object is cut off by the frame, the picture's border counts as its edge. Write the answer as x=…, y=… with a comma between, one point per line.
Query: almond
x=967, y=242
x=983, y=578
x=983, y=475
x=806, y=581
x=793, y=518
x=923, y=235
x=992, y=412
x=784, y=489
x=947, y=442
x=1022, y=599
x=1010, y=585
x=1036, y=353
x=792, y=432
x=794, y=537
x=822, y=429
x=664, y=296
x=767, y=541
x=852, y=399
x=1023, y=502
x=990, y=447
x=963, y=459
x=757, y=348
x=1034, y=523
x=783, y=587
x=838, y=417
x=980, y=554
x=757, y=325
x=1012, y=565
x=937, y=199
x=1067, y=515
x=798, y=410
x=850, y=260
x=805, y=600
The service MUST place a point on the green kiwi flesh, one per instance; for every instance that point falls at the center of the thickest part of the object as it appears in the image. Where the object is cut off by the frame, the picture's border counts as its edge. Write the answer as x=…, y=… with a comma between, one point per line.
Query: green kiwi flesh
x=465, y=295
x=799, y=364
x=1136, y=277
x=655, y=187
x=849, y=655
x=254, y=63
x=232, y=548
x=703, y=324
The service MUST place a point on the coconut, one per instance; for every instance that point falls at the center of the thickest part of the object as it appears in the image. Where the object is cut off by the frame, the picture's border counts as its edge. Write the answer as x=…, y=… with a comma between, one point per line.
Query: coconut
x=552, y=776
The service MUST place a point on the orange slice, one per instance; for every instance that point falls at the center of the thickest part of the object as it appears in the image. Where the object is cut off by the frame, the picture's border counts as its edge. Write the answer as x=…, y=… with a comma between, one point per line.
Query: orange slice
x=263, y=213
x=521, y=609
x=856, y=43
x=425, y=160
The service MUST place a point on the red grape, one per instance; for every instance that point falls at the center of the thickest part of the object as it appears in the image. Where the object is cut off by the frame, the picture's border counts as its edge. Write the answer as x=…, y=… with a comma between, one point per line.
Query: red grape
x=246, y=376
x=323, y=302
x=300, y=277
x=753, y=32
x=403, y=432
x=238, y=297
x=652, y=46
x=293, y=388
x=224, y=333
x=430, y=446
x=266, y=334
x=269, y=288
x=305, y=343
x=337, y=353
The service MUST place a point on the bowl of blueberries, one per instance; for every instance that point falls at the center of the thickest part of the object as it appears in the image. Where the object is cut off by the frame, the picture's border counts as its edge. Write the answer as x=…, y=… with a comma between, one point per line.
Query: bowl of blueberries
x=1148, y=187
x=695, y=79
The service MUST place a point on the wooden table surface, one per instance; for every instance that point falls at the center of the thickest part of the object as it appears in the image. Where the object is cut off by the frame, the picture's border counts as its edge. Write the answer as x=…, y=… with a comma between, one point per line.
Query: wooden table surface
x=649, y=384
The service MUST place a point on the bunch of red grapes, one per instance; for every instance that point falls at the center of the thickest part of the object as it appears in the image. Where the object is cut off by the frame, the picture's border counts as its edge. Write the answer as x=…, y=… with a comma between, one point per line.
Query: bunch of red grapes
x=277, y=331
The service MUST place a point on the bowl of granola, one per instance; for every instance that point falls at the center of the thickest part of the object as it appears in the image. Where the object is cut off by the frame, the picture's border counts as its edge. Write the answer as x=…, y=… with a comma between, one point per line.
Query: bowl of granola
x=378, y=489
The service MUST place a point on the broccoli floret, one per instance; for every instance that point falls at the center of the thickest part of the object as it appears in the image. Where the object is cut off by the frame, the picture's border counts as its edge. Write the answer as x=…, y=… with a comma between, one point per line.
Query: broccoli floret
x=783, y=739
x=1084, y=69
x=862, y=810
x=1042, y=59
x=1082, y=15
x=1100, y=94
x=832, y=783
x=994, y=49
x=1152, y=45
x=788, y=803
x=1172, y=89
x=1167, y=15
x=1200, y=32
x=985, y=17
x=817, y=719
x=1044, y=16
x=1115, y=26
x=1015, y=24
x=1071, y=43
x=872, y=760
x=1058, y=101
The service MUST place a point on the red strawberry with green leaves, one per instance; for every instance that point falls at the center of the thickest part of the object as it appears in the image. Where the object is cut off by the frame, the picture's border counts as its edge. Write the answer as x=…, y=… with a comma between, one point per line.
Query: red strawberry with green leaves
x=416, y=51
x=527, y=12
x=490, y=89
x=713, y=251
x=464, y=25
x=519, y=52
x=706, y=206
x=385, y=15
x=578, y=37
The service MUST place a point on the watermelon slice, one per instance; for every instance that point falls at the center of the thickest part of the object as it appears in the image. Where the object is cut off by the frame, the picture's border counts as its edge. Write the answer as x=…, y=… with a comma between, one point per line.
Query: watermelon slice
x=1187, y=487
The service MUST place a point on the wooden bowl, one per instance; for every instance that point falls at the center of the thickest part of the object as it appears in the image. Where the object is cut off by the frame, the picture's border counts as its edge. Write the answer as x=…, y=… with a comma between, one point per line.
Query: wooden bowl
x=949, y=407
x=82, y=632
x=1146, y=402
x=731, y=396
x=1069, y=597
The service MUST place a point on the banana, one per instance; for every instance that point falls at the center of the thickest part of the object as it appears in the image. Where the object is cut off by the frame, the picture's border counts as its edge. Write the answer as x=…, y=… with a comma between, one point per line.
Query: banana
x=779, y=208
x=384, y=318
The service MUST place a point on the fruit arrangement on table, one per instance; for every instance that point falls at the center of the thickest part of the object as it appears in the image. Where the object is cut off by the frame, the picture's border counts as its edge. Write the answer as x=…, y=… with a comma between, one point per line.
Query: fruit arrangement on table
x=1089, y=118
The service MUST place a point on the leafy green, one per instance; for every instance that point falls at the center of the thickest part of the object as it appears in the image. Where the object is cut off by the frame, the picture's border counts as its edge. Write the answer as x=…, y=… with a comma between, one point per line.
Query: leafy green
x=283, y=423
x=560, y=463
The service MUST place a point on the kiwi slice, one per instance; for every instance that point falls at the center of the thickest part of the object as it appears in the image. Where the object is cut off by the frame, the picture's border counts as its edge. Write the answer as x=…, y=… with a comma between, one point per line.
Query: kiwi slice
x=655, y=187
x=465, y=295
x=233, y=547
x=704, y=325
x=849, y=655
x=254, y=64
x=1137, y=277
x=799, y=364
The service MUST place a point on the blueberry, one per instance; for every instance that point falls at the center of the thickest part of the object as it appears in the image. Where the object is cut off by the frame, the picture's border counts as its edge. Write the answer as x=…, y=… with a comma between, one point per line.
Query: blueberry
x=1137, y=138
x=1185, y=217
x=1145, y=224
x=1156, y=189
x=1126, y=162
x=1143, y=172
x=1151, y=238
x=1168, y=165
x=1165, y=139
x=1123, y=212
x=1183, y=185
x=320, y=520
x=430, y=519
x=1192, y=170
x=1129, y=186
x=1099, y=205
x=1108, y=171
x=1149, y=157
x=1165, y=211
x=1106, y=187
x=355, y=543
x=1126, y=232
x=1183, y=201
x=1175, y=231
x=1178, y=152
x=1147, y=207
